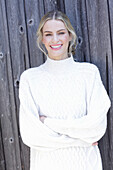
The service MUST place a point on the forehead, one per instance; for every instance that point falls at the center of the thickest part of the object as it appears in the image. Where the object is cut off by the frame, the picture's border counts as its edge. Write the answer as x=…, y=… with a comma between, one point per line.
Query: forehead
x=53, y=25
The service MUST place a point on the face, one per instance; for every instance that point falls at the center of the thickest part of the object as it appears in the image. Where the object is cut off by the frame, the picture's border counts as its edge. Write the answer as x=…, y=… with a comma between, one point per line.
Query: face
x=56, y=39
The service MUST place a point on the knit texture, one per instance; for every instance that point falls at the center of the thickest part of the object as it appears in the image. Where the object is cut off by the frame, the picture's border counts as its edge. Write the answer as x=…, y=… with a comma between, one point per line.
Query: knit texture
x=72, y=96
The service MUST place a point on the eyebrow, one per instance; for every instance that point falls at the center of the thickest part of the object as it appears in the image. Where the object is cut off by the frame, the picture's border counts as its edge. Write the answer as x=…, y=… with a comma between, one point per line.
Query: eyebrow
x=57, y=31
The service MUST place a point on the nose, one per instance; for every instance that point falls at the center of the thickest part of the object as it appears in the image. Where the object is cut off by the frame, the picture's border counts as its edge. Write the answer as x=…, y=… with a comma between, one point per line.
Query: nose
x=55, y=38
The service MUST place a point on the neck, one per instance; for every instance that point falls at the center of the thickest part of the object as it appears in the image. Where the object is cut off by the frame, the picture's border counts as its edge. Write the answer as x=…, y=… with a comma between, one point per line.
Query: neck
x=58, y=66
x=61, y=57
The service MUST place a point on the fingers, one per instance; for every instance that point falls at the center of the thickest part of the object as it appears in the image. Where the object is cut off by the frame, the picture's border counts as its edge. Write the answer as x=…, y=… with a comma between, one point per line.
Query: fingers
x=95, y=144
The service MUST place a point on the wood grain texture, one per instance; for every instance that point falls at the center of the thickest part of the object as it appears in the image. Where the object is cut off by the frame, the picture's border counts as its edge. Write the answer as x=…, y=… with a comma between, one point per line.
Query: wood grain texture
x=73, y=11
x=7, y=105
x=93, y=23
x=9, y=120
x=34, y=11
x=2, y=157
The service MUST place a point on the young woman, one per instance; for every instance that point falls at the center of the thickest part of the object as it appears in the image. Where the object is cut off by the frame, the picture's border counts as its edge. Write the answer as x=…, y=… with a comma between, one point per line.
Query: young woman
x=63, y=104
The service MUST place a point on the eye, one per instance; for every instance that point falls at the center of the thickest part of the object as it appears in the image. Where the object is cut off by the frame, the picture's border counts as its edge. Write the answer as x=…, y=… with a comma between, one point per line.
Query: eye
x=47, y=34
x=61, y=32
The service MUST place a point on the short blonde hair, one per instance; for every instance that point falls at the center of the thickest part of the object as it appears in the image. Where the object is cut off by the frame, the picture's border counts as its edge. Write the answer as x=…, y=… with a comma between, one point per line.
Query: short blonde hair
x=57, y=15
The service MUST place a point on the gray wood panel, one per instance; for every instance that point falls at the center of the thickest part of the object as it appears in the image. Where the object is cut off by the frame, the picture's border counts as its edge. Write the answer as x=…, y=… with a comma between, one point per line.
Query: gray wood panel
x=93, y=23
x=9, y=76
x=73, y=11
x=7, y=105
x=2, y=157
x=34, y=11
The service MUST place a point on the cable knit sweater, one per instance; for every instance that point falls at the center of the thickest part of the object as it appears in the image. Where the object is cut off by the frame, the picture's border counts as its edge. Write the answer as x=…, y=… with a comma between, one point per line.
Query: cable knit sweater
x=73, y=98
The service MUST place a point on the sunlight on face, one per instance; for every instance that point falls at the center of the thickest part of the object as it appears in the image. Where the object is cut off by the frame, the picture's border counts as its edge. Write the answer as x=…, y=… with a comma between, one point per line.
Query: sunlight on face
x=56, y=39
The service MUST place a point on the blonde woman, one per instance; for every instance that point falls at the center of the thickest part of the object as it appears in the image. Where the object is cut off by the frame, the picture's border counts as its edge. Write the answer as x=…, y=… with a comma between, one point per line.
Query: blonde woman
x=63, y=103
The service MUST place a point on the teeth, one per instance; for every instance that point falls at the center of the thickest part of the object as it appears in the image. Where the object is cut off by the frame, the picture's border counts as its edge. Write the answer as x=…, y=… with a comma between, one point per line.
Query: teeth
x=56, y=46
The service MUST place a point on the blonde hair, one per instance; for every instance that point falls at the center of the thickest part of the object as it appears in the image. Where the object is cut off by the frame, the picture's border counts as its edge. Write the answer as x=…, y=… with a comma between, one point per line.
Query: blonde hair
x=57, y=15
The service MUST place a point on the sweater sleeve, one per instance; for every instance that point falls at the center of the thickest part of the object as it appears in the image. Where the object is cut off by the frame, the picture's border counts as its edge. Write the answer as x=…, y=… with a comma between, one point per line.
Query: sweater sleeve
x=34, y=133
x=91, y=127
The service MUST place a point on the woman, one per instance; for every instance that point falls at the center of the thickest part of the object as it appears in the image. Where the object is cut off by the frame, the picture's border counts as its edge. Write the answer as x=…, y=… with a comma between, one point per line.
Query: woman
x=63, y=104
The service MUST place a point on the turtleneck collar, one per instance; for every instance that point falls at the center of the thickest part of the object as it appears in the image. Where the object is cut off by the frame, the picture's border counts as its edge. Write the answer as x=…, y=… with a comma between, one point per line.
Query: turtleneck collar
x=58, y=66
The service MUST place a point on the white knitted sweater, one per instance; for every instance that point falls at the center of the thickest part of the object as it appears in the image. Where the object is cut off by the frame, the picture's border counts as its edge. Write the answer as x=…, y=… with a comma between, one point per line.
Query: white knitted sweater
x=73, y=98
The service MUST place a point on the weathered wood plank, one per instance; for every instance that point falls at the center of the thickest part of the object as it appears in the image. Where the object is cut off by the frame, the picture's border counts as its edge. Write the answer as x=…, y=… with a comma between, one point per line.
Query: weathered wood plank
x=97, y=24
x=18, y=51
x=109, y=61
x=60, y=5
x=84, y=25
x=99, y=45
x=8, y=116
x=2, y=158
x=34, y=11
x=110, y=14
x=73, y=11
x=50, y=5
x=8, y=123
x=20, y=60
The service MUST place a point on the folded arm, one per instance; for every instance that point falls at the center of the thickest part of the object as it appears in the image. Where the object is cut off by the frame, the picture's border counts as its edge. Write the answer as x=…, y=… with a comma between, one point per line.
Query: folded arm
x=34, y=133
x=91, y=127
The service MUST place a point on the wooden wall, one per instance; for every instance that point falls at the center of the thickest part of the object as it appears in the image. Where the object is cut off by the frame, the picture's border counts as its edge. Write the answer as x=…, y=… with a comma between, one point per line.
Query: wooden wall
x=19, y=19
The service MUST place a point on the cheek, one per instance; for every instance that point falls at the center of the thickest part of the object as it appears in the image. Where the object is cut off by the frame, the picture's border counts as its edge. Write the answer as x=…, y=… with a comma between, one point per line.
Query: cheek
x=46, y=40
x=66, y=38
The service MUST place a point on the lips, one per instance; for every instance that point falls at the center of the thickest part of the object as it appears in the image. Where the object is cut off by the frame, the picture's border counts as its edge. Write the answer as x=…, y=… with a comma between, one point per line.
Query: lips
x=56, y=46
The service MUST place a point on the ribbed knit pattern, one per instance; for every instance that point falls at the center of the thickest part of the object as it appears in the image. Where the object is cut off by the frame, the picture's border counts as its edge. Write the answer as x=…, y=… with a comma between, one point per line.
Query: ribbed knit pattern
x=73, y=98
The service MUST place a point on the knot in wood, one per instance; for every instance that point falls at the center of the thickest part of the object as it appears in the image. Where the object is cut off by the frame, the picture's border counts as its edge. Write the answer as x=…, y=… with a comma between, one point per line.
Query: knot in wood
x=16, y=83
x=31, y=22
x=1, y=55
x=80, y=40
x=11, y=140
x=21, y=29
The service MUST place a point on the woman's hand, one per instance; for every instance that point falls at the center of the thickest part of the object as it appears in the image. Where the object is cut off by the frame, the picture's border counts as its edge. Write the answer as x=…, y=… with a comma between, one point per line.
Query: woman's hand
x=95, y=144
x=42, y=118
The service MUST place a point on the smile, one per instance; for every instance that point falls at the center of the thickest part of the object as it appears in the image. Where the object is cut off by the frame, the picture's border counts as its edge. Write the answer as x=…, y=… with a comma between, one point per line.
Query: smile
x=56, y=47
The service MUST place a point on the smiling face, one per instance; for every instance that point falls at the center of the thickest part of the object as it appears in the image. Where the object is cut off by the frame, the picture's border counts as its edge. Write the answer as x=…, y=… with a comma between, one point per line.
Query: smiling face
x=56, y=39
